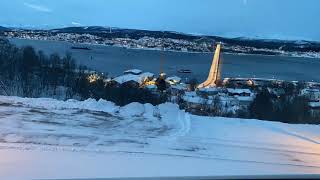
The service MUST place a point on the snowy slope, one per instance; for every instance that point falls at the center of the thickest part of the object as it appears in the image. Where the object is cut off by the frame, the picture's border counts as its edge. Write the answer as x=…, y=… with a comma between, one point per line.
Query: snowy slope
x=104, y=140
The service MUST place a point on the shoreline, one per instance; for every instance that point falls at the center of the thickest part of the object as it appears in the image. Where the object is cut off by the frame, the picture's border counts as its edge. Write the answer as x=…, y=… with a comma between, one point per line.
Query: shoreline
x=168, y=50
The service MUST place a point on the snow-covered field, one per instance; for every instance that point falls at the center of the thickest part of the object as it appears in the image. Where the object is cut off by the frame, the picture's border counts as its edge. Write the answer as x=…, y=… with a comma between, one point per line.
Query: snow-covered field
x=47, y=138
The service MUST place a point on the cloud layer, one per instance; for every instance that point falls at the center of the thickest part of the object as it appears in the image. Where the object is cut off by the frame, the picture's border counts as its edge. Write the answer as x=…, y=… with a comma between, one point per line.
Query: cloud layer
x=76, y=23
x=37, y=7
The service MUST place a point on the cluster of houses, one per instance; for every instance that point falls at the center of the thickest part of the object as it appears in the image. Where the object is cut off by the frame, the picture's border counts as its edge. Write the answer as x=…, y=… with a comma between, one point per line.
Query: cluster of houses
x=228, y=100
x=312, y=92
x=138, y=79
x=141, y=43
x=278, y=88
x=235, y=93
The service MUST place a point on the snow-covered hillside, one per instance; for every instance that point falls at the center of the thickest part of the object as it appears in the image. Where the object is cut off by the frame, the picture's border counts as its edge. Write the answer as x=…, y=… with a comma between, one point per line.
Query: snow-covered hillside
x=65, y=139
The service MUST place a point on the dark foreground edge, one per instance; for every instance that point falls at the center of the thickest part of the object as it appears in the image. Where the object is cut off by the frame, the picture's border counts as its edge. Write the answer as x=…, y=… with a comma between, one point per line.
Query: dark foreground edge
x=244, y=177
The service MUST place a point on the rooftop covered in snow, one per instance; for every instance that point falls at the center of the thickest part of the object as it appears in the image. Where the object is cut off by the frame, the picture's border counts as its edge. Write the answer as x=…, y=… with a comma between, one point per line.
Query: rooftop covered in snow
x=239, y=91
x=133, y=71
x=173, y=79
x=132, y=77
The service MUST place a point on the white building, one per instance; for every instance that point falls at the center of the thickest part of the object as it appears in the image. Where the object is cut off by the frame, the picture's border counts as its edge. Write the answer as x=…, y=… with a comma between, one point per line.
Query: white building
x=173, y=80
x=311, y=94
x=139, y=78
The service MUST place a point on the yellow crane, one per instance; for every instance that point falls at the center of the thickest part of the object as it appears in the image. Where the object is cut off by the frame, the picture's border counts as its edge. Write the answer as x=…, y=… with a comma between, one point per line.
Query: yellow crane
x=214, y=74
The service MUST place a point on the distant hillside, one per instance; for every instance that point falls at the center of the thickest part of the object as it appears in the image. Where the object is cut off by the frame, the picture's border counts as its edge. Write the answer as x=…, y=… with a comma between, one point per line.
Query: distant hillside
x=124, y=33
x=4, y=28
x=181, y=41
x=285, y=45
x=90, y=29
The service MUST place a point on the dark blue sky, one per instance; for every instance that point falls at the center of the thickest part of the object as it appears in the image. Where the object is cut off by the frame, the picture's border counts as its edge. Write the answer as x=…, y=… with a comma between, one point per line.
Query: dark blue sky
x=284, y=19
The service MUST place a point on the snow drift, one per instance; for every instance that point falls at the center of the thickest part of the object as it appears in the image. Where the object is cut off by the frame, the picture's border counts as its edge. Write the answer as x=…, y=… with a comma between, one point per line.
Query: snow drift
x=159, y=134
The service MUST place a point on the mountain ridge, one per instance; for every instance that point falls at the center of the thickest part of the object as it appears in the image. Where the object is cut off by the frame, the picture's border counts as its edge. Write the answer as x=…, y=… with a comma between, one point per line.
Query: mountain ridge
x=232, y=45
x=106, y=29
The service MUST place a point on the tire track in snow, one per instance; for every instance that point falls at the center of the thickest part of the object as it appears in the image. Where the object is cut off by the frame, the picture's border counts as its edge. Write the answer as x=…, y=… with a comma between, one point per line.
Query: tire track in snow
x=198, y=140
x=248, y=142
x=210, y=148
x=217, y=158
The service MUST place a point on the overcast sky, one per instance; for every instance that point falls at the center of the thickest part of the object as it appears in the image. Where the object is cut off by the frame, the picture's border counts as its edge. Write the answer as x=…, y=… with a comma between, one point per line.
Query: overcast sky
x=284, y=19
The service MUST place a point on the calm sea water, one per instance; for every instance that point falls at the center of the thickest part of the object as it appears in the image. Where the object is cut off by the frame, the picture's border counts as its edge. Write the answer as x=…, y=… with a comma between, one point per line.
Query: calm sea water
x=115, y=60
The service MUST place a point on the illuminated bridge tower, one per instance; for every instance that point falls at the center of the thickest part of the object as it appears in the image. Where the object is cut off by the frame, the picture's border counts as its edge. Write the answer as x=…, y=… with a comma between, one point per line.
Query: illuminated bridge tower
x=214, y=74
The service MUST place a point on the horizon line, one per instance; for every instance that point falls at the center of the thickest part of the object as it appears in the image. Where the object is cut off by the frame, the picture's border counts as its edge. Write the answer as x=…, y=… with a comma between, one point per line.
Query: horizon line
x=256, y=37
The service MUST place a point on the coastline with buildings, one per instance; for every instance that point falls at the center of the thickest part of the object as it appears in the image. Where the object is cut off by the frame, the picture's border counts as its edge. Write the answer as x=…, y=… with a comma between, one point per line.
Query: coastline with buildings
x=217, y=96
x=168, y=41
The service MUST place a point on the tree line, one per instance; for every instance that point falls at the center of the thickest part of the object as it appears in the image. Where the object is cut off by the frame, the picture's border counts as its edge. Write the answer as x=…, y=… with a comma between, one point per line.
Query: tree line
x=30, y=73
x=288, y=108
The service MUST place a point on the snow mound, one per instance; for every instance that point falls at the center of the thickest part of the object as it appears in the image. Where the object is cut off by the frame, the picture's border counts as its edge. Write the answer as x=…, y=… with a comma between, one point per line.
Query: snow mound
x=101, y=105
x=149, y=111
x=47, y=103
x=164, y=115
x=132, y=110
x=168, y=108
x=170, y=113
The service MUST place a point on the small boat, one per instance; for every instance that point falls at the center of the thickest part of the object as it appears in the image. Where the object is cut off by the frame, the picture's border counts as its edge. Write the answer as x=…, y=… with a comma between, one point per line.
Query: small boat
x=184, y=71
x=81, y=48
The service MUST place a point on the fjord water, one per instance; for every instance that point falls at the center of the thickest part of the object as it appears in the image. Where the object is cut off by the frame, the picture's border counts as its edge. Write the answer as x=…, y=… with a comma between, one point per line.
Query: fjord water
x=114, y=60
